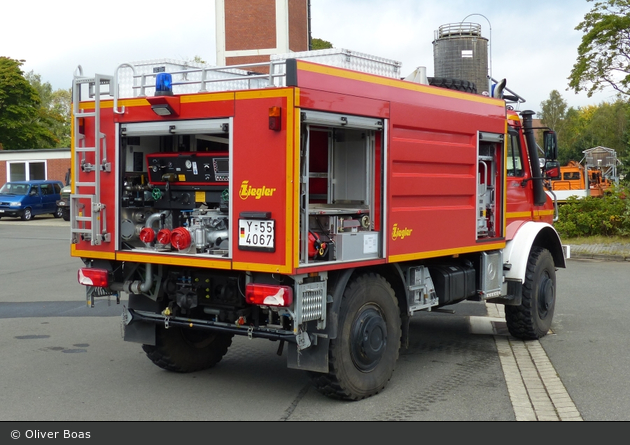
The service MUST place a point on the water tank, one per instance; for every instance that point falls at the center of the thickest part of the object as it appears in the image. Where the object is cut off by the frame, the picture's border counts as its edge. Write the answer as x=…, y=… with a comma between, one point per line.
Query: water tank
x=460, y=52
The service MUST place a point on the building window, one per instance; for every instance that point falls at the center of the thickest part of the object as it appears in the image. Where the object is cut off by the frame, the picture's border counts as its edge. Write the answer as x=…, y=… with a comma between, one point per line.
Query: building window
x=26, y=170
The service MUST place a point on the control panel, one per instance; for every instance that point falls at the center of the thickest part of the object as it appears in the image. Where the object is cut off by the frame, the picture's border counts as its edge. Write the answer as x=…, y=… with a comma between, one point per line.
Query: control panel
x=188, y=169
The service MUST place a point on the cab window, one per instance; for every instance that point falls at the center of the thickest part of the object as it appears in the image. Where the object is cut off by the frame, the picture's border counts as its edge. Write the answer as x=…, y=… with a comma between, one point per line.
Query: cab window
x=514, y=157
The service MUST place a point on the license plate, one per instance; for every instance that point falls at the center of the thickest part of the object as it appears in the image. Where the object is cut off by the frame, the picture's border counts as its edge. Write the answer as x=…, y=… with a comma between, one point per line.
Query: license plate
x=1, y=211
x=257, y=234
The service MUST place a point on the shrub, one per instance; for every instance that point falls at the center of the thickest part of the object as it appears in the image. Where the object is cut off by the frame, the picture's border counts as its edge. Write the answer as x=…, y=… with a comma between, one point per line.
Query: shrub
x=608, y=215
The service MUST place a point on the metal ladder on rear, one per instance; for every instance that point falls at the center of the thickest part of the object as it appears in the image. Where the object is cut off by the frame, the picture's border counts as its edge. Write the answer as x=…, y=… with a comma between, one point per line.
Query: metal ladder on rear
x=87, y=212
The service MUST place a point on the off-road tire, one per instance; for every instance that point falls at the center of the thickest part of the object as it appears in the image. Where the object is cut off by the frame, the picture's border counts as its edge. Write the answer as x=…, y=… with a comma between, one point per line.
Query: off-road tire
x=182, y=350
x=532, y=319
x=453, y=84
x=66, y=214
x=363, y=356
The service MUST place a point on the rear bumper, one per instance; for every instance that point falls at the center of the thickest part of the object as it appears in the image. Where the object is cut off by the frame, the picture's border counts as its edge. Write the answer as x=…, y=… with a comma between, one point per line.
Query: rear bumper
x=134, y=316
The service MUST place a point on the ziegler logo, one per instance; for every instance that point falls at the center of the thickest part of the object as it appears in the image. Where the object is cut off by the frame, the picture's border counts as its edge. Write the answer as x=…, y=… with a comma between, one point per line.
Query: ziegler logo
x=400, y=233
x=248, y=191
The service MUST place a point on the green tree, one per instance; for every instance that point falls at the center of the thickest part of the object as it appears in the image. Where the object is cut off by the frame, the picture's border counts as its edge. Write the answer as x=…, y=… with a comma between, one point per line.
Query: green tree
x=606, y=125
x=573, y=141
x=320, y=44
x=604, y=53
x=20, y=119
x=553, y=111
x=54, y=110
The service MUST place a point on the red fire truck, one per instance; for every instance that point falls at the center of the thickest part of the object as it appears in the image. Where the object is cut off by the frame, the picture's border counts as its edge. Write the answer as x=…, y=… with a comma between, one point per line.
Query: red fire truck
x=309, y=204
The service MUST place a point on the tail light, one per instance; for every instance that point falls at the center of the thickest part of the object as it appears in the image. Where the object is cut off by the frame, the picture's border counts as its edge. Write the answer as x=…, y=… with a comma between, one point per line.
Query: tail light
x=269, y=295
x=94, y=277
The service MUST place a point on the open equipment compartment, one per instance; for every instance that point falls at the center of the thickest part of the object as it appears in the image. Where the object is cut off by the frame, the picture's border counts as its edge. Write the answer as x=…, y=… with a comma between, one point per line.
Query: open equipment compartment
x=175, y=188
x=341, y=171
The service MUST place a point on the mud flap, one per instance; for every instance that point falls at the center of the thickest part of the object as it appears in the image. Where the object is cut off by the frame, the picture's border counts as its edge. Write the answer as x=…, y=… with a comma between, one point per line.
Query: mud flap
x=314, y=358
x=140, y=333
x=514, y=295
x=137, y=332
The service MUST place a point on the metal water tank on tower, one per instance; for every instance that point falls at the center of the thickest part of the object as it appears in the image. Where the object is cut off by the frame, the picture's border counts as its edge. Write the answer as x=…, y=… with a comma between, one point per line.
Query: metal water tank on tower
x=460, y=52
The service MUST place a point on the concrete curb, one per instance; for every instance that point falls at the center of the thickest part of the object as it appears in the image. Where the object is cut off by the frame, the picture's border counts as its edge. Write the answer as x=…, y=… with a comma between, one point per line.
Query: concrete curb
x=601, y=252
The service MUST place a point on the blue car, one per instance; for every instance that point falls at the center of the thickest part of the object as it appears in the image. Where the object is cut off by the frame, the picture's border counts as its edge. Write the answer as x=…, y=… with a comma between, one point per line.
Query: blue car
x=25, y=199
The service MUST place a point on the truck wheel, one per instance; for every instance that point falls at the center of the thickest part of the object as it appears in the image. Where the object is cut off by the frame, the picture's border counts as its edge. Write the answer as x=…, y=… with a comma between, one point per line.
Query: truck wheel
x=363, y=356
x=532, y=319
x=182, y=350
x=453, y=84
x=58, y=213
x=66, y=214
x=27, y=215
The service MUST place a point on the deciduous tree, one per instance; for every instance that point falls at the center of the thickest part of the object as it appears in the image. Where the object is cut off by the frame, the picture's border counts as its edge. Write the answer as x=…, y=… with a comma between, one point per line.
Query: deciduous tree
x=20, y=110
x=604, y=53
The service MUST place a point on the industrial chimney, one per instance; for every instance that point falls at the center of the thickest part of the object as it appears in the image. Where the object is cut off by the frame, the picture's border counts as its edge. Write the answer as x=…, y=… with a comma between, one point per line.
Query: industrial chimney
x=250, y=31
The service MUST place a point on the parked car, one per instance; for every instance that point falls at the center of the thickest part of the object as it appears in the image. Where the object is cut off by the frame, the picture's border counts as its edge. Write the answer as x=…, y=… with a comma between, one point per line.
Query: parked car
x=64, y=202
x=26, y=199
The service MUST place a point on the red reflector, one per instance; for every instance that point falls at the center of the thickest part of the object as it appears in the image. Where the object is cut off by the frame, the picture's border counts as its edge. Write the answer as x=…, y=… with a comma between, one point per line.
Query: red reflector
x=269, y=295
x=93, y=277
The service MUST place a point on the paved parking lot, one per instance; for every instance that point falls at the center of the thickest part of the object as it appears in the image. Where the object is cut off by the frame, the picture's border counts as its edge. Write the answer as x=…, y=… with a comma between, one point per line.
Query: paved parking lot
x=39, y=220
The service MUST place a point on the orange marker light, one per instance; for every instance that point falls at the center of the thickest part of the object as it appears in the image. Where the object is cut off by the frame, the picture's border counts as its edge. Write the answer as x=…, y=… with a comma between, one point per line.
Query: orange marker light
x=275, y=118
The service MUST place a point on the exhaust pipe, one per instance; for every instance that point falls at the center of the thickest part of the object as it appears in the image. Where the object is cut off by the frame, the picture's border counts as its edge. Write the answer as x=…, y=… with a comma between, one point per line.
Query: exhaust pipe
x=540, y=197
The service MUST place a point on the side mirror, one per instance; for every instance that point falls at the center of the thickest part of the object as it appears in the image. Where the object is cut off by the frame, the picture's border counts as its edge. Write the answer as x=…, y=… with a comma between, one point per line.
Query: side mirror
x=550, y=145
x=552, y=170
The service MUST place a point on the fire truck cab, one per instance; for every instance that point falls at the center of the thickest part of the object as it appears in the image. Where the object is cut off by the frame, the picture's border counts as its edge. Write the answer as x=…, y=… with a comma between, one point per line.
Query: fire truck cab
x=310, y=204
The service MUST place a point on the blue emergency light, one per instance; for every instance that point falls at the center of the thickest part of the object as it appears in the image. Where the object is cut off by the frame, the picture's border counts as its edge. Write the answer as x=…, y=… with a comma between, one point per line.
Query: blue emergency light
x=163, y=84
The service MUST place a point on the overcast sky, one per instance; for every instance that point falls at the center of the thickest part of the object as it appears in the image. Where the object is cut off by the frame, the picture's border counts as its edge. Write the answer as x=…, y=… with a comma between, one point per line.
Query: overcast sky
x=533, y=44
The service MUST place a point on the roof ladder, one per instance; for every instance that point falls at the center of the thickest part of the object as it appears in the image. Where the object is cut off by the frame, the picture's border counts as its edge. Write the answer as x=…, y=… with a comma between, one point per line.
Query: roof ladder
x=87, y=212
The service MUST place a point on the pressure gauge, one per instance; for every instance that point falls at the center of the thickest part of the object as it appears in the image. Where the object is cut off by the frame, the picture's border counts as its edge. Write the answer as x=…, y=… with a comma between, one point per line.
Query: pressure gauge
x=188, y=164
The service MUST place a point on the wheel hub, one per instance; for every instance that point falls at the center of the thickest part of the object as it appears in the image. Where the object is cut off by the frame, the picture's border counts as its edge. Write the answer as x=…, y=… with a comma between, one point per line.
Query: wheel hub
x=369, y=339
x=546, y=296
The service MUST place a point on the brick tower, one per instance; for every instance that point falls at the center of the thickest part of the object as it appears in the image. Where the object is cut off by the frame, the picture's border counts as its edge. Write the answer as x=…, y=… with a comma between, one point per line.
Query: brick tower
x=249, y=31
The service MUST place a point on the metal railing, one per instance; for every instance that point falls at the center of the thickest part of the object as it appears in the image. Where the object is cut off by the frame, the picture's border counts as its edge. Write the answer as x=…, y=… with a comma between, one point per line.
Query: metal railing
x=242, y=73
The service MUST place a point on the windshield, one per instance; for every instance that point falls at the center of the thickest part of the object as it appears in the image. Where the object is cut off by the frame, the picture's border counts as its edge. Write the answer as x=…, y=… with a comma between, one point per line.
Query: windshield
x=14, y=189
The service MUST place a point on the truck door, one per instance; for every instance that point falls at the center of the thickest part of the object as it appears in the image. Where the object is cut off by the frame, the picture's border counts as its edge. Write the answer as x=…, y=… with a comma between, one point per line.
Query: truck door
x=518, y=196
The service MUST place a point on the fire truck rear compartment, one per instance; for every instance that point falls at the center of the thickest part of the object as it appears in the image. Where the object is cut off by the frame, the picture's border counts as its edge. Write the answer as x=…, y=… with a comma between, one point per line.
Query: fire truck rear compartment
x=175, y=190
